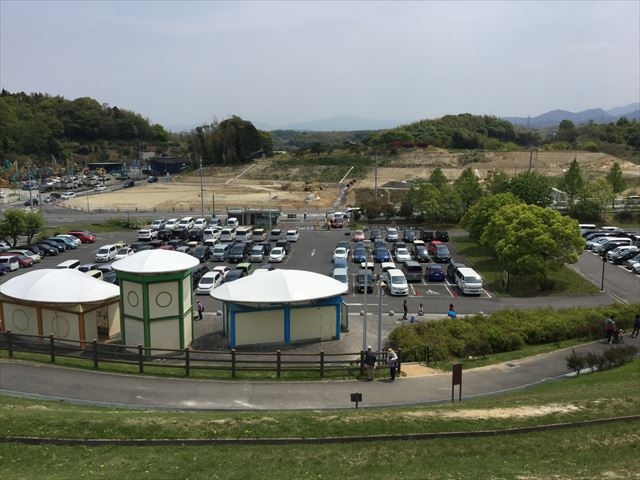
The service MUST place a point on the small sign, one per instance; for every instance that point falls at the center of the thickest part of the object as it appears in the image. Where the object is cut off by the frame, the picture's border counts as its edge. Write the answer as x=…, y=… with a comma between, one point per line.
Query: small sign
x=356, y=397
x=457, y=374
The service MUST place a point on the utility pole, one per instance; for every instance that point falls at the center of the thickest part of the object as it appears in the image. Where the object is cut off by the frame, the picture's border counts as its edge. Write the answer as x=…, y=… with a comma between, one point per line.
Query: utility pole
x=364, y=323
x=213, y=205
x=530, y=158
x=380, y=295
x=375, y=176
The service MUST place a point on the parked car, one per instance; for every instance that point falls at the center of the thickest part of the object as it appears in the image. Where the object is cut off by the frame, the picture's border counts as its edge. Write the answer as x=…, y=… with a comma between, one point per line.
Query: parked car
x=342, y=275
x=277, y=254
x=200, y=223
x=381, y=255
x=620, y=251
x=275, y=234
x=123, y=253
x=23, y=260
x=247, y=267
x=409, y=235
x=27, y=253
x=197, y=273
x=439, y=251
x=147, y=234
x=87, y=267
x=171, y=224
x=83, y=235
x=451, y=271
x=68, y=195
x=70, y=238
x=196, y=234
x=202, y=253
x=221, y=252
x=257, y=253
x=129, y=184
x=442, y=235
x=158, y=224
x=293, y=235
x=396, y=282
x=421, y=254
x=234, y=274
x=392, y=234
x=223, y=269
x=165, y=234
x=106, y=253
x=341, y=263
x=4, y=246
x=375, y=234
x=184, y=249
x=67, y=244
x=259, y=234
x=435, y=273
x=340, y=252
x=427, y=236
x=208, y=282
x=412, y=271
x=239, y=252
x=468, y=281
x=283, y=243
x=402, y=255
x=360, y=255
x=152, y=179
x=358, y=236
x=47, y=246
x=9, y=262
x=626, y=255
x=365, y=277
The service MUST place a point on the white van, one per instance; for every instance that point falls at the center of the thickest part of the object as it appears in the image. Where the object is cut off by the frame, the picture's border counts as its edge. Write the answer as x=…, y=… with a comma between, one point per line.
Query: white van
x=244, y=234
x=200, y=223
x=227, y=234
x=293, y=235
x=211, y=233
x=396, y=282
x=72, y=264
x=468, y=281
x=106, y=253
x=232, y=222
x=10, y=262
x=259, y=234
x=171, y=224
x=186, y=223
x=220, y=252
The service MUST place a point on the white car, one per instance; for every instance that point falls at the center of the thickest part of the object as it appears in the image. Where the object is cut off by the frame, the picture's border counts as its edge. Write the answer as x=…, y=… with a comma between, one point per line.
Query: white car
x=340, y=252
x=402, y=255
x=387, y=266
x=171, y=224
x=67, y=195
x=211, y=233
x=277, y=254
x=99, y=188
x=75, y=240
x=4, y=246
x=209, y=281
x=369, y=266
x=392, y=234
x=223, y=269
x=200, y=223
x=123, y=253
x=293, y=235
x=396, y=282
x=147, y=234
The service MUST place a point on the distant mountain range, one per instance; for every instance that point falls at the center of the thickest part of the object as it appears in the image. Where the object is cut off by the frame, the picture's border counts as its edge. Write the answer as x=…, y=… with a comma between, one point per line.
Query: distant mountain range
x=598, y=115
x=343, y=123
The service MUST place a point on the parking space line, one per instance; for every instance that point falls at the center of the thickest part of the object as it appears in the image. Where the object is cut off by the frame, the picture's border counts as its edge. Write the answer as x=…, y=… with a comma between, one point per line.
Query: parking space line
x=450, y=292
x=486, y=293
x=617, y=298
x=412, y=290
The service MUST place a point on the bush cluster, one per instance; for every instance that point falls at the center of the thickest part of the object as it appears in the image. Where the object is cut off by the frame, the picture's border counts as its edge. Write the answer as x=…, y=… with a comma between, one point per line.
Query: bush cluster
x=611, y=358
x=505, y=330
x=128, y=223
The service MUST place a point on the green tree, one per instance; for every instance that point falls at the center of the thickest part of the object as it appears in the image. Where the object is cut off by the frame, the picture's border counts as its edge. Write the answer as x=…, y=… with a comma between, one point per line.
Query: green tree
x=532, y=241
x=438, y=179
x=449, y=205
x=480, y=213
x=33, y=223
x=567, y=132
x=615, y=179
x=532, y=188
x=592, y=200
x=12, y=226
x=572, y=181
x=468, y=187
x=497, y=182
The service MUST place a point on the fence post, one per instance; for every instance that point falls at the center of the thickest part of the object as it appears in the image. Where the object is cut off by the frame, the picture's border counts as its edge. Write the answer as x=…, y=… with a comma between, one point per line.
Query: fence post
x=278, y=366
x=9, y=345
x=428, y=355
x=187, y=366
x=52, y=348
x=399, y=360
x=361, y=362
x=140, y=359
x=233, y=362
x=95, y=354
x=321, y=363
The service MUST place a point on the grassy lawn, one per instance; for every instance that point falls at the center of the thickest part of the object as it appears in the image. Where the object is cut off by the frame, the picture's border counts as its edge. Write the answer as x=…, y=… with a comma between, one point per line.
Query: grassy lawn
x=566, y=281
x=604, y=451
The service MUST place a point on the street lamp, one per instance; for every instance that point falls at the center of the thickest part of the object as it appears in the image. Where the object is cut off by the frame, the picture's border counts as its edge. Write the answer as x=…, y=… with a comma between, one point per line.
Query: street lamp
x=604, y=261
x=366, y=286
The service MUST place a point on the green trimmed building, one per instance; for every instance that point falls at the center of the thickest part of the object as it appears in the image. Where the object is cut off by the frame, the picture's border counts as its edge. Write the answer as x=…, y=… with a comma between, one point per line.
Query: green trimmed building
x=156, y=299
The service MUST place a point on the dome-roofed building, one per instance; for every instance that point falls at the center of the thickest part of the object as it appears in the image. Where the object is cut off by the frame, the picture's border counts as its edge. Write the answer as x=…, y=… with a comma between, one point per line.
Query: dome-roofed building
x=156, y=298
x=64, y=302
x=282, y=307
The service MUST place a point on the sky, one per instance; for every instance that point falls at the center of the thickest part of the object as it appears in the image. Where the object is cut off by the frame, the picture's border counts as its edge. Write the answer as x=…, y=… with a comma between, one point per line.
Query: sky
x=187, y=63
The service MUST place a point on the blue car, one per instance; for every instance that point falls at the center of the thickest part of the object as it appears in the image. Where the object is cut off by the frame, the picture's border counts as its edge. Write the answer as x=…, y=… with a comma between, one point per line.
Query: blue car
x=381, y=255
x=435, y=273
x=340, y=263
x=359, y=255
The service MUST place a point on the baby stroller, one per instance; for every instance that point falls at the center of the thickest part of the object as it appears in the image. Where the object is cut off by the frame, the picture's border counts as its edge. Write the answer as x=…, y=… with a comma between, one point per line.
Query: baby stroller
x=617, y=335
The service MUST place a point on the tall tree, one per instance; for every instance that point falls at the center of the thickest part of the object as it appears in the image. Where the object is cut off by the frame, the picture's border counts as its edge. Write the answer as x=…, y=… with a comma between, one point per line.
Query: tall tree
x=532, y=188
x=12, y=226
x=567, y=131
x=480, y=213
x=438, y=179
x=572, y=181
x=33, y=223
x=497, y=182
x=468, y=187
x=615, y=179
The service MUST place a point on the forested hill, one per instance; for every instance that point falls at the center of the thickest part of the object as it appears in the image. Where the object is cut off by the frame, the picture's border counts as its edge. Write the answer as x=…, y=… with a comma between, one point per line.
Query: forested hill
x=464, y=131
x=40, y=125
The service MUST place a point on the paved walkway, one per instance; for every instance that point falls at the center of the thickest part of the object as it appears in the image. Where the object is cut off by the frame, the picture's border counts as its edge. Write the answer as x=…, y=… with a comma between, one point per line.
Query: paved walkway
x=133, y=391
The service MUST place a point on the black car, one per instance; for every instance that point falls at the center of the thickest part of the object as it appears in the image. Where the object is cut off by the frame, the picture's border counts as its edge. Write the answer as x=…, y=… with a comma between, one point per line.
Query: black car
x=427, y=236
x=135, y=246
x=234, y=275
x=33, y=201
x=110, y=277
x=152, y=179
x=165, y=234
x=409, y=235
x=198, y=272
x=441, y=254
x=49, y=250
x=284, y=244
x=176, y=243
x=129, y=184
x=202, y=253
x=35, y=249
x=239, y=252
x=451, y=271
x=421, y=254
x=60, y=242
x=181, y=233
x=145, y=247
x=624, y=257
x=442, y=235
x=375, y=234
x=184, y=249
x=196, y=234
x=362, y=277
x=87, y=267
x=267, y=247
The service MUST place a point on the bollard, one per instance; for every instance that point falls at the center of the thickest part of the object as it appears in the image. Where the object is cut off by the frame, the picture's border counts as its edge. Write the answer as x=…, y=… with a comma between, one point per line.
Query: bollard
x=321, y=363
x=9, y=345
x=52, y=348
x=361, y=362
x=233, y=362
x=187, y=366
x=399, y=361
x=95, y=353
x=140, y=359
x=278, y=366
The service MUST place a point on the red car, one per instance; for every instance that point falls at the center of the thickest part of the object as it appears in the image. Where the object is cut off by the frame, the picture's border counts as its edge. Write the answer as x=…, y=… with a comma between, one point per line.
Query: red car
x=337, y=223
x=83, y=236
x=433, y=245
x=23, y=260
x=358, y=236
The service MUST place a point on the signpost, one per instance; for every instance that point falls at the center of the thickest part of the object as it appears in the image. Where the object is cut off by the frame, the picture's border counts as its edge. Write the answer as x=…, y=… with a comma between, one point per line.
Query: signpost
x=356, y=397
x=456, y=380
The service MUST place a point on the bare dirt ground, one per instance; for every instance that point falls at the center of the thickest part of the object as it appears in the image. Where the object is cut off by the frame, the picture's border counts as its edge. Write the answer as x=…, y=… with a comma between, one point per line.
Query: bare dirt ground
x=420, y=164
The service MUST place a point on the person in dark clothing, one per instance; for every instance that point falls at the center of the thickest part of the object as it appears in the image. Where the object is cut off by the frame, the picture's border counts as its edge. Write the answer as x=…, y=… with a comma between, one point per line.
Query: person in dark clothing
x=392, y=363
x=370, y=362
x=406, y=310
x=609, y=327
x=200, y=310
x=636, y=326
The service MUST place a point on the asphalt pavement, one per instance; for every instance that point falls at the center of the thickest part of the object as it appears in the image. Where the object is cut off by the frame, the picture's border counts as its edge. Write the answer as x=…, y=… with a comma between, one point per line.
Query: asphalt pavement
x=136, y=391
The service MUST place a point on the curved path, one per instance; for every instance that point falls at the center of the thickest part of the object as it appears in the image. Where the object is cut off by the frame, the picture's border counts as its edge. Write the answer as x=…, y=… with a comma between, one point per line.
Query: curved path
x=133, y=391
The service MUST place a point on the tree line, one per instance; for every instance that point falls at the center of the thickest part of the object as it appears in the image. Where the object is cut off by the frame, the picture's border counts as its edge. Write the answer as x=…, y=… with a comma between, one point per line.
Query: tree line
x=39, y=125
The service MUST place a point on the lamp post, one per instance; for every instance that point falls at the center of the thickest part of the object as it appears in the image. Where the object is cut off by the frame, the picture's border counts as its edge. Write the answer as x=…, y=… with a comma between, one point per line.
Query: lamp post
x=201, y=190
x=366, y=287
x=604, y=261
x=380, y=295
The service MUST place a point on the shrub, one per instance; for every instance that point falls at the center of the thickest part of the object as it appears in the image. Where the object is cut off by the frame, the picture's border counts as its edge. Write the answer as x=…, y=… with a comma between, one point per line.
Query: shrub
x=576, y=361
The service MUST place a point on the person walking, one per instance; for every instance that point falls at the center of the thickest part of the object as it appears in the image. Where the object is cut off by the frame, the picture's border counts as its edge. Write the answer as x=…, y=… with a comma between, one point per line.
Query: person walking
x=392, y=363
x=609, y=327
x=420, y=310
x=636, y=326
x=200, y=310
x=370, y=362
x=406, y=310
x=452, y=311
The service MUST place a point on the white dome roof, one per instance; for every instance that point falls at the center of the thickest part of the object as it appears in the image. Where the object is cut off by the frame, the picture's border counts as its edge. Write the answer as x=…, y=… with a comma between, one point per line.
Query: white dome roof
x=58, y=286
x=279, y=286
x=156, y=261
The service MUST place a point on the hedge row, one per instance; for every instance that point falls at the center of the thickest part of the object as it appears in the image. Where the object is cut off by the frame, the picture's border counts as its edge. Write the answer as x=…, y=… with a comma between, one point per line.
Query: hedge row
x=505, y=330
